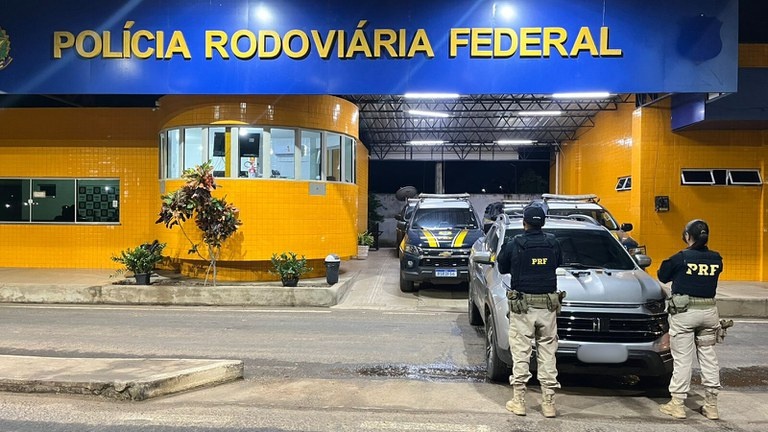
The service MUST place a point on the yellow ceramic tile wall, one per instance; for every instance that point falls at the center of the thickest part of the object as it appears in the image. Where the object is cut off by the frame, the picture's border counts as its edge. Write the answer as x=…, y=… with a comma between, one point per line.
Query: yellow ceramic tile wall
x=594, y=162
x=655, y=157
x=736, y=214
x=80, y=143
x=362, y=183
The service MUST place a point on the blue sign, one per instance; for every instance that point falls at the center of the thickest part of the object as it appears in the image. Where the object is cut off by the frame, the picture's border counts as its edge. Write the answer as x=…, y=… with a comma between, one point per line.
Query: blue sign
x=367, y=47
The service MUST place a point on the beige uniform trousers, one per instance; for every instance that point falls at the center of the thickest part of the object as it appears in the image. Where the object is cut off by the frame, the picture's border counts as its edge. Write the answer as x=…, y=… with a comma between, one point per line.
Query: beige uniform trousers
x=692, y=334
x=539, y=325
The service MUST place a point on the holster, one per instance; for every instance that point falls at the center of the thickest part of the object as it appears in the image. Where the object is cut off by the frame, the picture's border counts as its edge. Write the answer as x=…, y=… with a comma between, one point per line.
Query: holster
x=721, y=331
x=678, y=303
x=517, y=302
x=554, y=301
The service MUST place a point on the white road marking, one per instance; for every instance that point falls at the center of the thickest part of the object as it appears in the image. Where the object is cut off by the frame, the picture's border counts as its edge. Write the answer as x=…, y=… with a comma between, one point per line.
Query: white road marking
x=404, y=426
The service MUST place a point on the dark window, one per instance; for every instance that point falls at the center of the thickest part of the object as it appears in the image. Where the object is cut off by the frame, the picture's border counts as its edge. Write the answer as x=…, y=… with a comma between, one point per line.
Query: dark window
x=744, y=177
x=697, y=177
x=588, y=248
x=444, y=218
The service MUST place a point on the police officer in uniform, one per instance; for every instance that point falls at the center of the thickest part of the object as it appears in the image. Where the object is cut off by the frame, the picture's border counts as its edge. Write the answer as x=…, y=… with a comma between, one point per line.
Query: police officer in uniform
x=694, y=323
x=532, y=258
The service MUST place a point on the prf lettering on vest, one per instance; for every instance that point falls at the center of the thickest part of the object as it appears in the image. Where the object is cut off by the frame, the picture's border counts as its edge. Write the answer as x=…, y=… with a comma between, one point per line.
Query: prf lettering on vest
x=702, y=269
x=538, y=261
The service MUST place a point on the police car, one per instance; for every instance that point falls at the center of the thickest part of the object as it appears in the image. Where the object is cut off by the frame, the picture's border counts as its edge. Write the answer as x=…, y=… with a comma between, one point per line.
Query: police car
x=437, y=239
x=613, y=317
x=589, y=205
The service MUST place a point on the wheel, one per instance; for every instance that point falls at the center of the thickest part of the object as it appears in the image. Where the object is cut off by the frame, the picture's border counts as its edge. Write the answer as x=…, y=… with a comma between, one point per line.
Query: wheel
x=495, y=368
x=472, y=313
x=406, y=285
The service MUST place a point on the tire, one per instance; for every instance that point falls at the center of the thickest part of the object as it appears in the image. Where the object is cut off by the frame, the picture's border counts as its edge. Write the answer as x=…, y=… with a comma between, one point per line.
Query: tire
x=473, y=314
x=495, y=369
x=406, y=286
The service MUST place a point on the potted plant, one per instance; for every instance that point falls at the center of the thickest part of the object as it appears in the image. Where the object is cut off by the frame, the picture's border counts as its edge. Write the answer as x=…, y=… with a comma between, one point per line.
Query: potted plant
x=364, y=242
x=141, y=260
x=289, y=267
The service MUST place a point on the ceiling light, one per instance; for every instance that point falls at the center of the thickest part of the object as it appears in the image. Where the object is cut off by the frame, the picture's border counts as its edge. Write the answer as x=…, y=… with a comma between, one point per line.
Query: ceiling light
x=429, y=113
x=515, y=141
x=431, y=95
x=538, y=113
x=426, y=142
x=582, y=95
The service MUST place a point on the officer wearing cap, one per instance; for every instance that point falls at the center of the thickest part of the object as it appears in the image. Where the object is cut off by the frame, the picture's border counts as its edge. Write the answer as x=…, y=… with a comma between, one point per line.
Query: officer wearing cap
x=531, y=259
x=694, y=323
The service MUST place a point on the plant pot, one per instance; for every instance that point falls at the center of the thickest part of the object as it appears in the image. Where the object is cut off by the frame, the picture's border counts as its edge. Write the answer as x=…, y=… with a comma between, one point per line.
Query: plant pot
x=142, y=279
x=290, y=281
x=362, y=252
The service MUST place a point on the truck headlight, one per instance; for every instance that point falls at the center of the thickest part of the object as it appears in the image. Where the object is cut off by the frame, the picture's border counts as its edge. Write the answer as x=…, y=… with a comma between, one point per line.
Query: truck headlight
x=413, y=250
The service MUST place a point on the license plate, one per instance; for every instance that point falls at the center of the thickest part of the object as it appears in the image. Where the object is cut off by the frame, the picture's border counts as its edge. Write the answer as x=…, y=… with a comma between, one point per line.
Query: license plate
x=602, y=353
x=446, y=273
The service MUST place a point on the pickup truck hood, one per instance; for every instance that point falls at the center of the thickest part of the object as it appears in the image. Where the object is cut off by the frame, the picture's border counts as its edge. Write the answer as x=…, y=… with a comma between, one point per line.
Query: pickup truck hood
x=608, y=286
x=444, y=237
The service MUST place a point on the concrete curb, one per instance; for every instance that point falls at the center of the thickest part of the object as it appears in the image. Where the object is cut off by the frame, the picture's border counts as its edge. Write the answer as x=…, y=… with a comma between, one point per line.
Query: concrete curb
x=179, y=295
x=729, y=307
x=119, y=379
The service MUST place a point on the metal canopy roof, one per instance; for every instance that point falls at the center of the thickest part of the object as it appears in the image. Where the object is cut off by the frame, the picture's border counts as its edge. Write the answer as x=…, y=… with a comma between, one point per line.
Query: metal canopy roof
x=471, y=125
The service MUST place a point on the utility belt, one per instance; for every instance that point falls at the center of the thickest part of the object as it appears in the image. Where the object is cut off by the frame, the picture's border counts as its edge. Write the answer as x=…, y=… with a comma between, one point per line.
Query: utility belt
x=519, y=302
x=680, y=303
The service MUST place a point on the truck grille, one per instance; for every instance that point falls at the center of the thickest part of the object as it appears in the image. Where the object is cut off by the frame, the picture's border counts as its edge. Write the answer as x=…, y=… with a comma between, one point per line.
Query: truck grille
x=627, y=328
x=434, y=257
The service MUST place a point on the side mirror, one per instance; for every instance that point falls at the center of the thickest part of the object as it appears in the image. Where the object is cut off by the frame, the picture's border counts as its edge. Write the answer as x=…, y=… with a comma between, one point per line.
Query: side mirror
x=399, y=217
x=401, y=225
x=643, y=261
x=626, y=227
x=481, y=257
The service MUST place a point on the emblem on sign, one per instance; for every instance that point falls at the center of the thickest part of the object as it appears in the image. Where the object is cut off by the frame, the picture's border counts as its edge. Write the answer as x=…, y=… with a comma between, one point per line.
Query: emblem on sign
x=5, y=49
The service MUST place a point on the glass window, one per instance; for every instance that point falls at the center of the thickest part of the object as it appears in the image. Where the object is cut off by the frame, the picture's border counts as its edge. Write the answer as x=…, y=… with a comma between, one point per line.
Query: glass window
x=333, y=157
x=250, y=147
x=53, y=200
x=282, y=163
x=98, y=200
x=174, y=153
x=193, y=147
x=349, y=166
x=588, y=248
x=14, y=206
x=444, y=218
x=311, y=155
x=217, y=150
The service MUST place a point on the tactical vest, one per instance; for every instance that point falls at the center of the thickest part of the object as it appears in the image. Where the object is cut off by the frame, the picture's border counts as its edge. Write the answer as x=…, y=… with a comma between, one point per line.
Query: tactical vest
x=699, y=275
x=537, y=261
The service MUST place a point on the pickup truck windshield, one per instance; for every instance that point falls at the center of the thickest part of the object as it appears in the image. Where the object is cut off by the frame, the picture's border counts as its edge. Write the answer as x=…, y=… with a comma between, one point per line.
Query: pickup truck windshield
x=587, y=248
x=445, y=218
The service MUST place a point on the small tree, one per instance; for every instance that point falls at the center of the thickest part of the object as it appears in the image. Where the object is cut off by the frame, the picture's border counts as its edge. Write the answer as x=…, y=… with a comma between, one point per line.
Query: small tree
x=214, y=217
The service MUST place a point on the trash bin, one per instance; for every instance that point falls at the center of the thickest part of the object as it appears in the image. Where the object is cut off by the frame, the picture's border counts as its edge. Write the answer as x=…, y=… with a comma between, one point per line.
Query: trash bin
x=332, y=263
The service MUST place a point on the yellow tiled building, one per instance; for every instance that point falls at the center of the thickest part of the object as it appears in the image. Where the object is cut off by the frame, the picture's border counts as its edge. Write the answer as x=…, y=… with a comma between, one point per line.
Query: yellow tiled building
x=312, y=217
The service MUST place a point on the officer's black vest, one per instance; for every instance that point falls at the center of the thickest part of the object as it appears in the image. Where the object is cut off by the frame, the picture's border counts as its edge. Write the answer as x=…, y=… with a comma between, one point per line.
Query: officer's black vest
x=699, y=275
x=535, y=272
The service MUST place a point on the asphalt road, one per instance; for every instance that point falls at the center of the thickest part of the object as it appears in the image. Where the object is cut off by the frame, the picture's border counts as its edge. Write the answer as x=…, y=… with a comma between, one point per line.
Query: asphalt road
x=342, y=370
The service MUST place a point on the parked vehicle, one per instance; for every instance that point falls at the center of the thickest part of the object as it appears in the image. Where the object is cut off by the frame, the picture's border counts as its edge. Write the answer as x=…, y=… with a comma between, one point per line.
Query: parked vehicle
x=589, y=205
x=494, y=209
x=613, y=317
x=402, y=219
x=437, y=240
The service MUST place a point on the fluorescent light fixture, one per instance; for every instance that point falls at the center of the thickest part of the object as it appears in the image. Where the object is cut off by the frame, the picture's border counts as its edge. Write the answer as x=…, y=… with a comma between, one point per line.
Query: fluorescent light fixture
x=539, y=113
x=515, y=141
x=582, y=95
x=428, y=113
x=426, y=142
x=431, y=95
